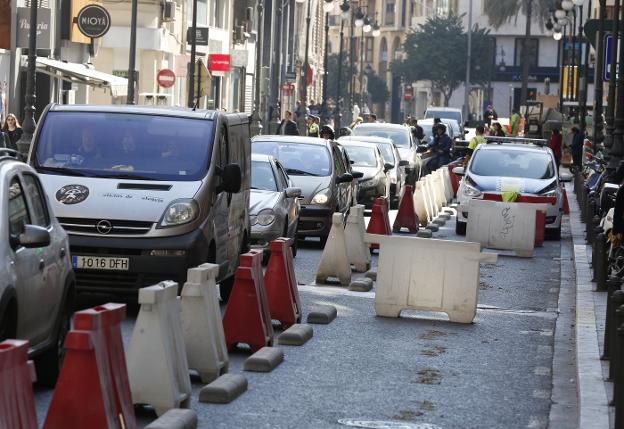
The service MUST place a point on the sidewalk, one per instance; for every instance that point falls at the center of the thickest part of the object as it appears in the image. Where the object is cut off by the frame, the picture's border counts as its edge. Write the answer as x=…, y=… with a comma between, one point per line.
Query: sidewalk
x=593, y=391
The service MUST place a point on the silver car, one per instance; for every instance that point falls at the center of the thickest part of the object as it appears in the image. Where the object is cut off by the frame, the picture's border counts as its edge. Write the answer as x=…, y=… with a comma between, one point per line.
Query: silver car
x=36, y=277
x=274, y=208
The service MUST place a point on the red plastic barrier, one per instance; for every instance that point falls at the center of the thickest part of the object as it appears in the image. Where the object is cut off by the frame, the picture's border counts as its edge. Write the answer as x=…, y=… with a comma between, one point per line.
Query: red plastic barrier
x=566, y=206
x=379, y=222
x=540, y=216
x=455, y=179
x=281, y=284
x=247, y=317
x=17, y=374
x=93, y=389
x=406, y=216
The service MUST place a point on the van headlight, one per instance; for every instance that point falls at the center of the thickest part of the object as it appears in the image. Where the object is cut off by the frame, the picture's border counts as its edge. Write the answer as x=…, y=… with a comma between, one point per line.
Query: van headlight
x=471, y=191
x=321, y=197
x=179, y=212
x=265, y=218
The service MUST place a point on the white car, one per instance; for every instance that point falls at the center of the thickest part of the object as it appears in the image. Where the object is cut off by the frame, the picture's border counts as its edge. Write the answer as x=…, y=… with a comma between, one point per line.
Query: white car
x=525, y=168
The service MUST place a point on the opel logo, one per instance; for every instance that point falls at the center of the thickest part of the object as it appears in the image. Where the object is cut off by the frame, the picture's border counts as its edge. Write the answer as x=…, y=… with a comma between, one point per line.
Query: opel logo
x=104, y=226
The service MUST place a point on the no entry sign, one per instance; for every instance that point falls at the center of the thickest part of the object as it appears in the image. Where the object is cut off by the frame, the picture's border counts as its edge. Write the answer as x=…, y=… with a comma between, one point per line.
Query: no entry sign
x=166, y=78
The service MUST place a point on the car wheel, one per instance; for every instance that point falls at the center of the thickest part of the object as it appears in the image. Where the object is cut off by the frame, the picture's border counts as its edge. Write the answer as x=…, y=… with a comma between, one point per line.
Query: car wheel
x=553, y=234
x=8, y=322
x=460, y=227
x=49, y=363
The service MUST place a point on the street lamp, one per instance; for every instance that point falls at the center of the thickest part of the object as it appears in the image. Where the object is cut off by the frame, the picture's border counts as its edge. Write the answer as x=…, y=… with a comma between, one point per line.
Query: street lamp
x=557, y=35
x=306, y=65
x=328, y=6
x=376, y=29
x=29, y=124
x=344, y=14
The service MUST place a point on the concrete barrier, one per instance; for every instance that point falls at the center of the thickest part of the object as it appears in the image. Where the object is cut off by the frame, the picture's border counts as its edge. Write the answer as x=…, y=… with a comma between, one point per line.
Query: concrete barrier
x=157, y=364
x=430, y=275
x=201, y=323
x=420, y=205
x=334, y=260
x=357, y=251
x=505, y=226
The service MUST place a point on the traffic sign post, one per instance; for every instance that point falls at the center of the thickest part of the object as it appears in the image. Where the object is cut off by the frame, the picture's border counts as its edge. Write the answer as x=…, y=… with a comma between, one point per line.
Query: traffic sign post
x=166, y=78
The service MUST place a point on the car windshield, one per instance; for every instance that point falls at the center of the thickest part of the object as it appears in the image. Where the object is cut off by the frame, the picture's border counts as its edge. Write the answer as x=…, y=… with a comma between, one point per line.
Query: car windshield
x=362, y=156
x=512, y=163
x=387, y=152
x=443, y=114
x=399, y=137
x=298, y=159
x=427, y=131
x=262, y=176
x=124, y=145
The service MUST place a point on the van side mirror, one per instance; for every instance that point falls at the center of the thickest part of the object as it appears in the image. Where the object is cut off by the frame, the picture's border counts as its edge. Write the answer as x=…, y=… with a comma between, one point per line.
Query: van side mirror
x=346, y=177
x=388, y=167
x=33, y=236
x=292, y=192
x=232, y=179
x=357, y=174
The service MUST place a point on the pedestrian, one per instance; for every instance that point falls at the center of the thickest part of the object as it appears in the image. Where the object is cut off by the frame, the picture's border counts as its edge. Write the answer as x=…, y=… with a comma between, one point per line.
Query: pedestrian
x=514, y=123
x=288, y=126
x=372, y=118
x=327, y=132
x=497, y=130
x=13, y=129
x=440, y=148
x=576, y=147
x=417, y=131
x=554, y=144
x=474, y=142
x=490, y=115
x=313, y=128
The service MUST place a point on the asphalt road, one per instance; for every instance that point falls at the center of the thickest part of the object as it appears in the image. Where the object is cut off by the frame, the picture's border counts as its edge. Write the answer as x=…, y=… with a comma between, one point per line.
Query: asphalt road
x=415, y=370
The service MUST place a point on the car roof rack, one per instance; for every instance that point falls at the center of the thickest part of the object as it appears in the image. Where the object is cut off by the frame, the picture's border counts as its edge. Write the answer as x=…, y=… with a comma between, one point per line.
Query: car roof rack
x=521, y=140
x=7, y=154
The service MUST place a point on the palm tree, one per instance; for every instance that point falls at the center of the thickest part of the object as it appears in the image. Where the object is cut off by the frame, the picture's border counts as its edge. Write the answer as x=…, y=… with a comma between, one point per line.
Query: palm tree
x=501, y=11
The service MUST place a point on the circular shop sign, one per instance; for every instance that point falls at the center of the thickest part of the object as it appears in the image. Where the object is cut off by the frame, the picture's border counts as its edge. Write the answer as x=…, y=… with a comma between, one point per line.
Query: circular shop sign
x=93, y=21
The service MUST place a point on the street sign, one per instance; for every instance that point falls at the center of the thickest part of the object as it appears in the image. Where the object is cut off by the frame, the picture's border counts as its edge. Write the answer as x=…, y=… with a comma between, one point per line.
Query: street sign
x=608, y=45
x=166, y=78
x=93, y=21
x=43, y=27
x=201, y=36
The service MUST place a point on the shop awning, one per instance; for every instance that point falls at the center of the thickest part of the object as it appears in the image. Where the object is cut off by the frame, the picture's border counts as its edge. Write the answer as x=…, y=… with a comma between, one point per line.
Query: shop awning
x=80, y=73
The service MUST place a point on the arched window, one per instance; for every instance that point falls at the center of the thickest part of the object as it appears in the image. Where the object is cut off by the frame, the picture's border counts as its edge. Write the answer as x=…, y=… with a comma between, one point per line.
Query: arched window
x=396, y=49
x=383, y=58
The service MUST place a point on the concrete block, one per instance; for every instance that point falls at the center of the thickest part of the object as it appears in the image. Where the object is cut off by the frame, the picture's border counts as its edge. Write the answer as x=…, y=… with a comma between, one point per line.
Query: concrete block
x=201, y=323
x=449, y=212
x=334, y=260
x=157, y=365
x=424, y=233
x=296, y=335
x=176, y=418
x=433, y=227
x=428, y=275
x=224, y=389
x=444, y=215
x=371, y=274
x=322, y=314
x=439, y=221
x=505, y=226
x=357, y=252
x=361, y=285
x=264, y=360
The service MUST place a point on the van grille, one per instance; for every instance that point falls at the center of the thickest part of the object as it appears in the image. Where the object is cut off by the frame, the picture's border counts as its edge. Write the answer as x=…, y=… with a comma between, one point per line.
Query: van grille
x=125, y=283
x=105, y=226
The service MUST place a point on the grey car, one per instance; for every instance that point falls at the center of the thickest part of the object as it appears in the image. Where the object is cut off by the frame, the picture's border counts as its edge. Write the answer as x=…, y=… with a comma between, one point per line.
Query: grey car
x=318, y=168
x=273, y=204
x=36, y=277
x=391, y=155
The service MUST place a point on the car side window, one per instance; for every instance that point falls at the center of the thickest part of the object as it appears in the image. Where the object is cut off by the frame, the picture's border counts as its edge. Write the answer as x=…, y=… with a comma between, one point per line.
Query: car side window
x=338, y=163
x=281, y=176
x=18, y=211
x=39, y=211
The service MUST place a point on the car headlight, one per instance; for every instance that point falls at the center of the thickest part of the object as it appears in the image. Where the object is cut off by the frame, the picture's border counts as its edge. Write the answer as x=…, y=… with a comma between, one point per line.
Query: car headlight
x=265, y=217
x=179, y=212
x=321, y=197
x=471, y=191
x=550, y=190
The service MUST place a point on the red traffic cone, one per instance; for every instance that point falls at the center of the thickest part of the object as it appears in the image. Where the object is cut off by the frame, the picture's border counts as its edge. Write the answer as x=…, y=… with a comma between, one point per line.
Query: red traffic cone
x=406, y=217
x=566, y=206
x=17, y=374
x=281, y=285
x=378, y=223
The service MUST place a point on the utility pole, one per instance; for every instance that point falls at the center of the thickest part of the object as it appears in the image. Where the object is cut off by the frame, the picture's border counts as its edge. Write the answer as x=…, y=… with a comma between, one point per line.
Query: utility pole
x=29, y=125
x=324, y=110
x=583, y=88
x=191, y=83
x=468, y=63
x=617, y=150
x=337, y=115
x=609, y=117
x=525, y=53
x=131, y=98
x=256, y=119
x=599, y=71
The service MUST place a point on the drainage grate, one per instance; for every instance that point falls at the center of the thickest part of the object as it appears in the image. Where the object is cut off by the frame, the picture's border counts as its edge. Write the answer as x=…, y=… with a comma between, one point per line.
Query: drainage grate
x=388, y=424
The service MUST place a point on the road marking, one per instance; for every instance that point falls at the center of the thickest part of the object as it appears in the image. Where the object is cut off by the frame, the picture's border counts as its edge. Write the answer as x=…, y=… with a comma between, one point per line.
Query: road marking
x=541, y=370
x=541, y=394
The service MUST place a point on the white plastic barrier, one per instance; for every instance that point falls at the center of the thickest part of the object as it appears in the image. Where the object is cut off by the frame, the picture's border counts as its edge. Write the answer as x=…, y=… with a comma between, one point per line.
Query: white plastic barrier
x=201, y=323
x=505, y=226
x=438, y=189
x=448, y=185
x=157, y=366
x=430, y=205
x=426, y=274
x=420, y=204
x=334, y=260
x=357, y=251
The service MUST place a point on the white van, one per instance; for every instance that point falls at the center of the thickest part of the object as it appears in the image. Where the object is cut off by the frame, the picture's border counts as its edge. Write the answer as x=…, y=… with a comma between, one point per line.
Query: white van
x=146, y=192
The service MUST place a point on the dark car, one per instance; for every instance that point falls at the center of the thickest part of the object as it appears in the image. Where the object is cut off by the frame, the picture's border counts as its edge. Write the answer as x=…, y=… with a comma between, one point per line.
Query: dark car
x=367, y=159
x=318, y=168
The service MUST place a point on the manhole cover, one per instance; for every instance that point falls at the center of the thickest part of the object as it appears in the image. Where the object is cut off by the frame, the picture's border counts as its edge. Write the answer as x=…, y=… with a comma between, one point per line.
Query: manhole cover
x=381, y=424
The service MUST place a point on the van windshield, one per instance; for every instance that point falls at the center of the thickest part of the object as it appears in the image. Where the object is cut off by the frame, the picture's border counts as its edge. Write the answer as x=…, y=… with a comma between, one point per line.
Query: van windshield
x=124, y=145
x=398, y=136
